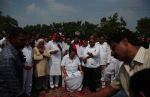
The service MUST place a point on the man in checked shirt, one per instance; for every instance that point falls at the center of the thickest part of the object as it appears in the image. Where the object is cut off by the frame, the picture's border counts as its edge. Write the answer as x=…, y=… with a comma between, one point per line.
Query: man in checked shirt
x=12, y=63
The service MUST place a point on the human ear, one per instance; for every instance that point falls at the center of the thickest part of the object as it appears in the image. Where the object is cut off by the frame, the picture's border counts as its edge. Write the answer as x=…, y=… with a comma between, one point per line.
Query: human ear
x=125, y=41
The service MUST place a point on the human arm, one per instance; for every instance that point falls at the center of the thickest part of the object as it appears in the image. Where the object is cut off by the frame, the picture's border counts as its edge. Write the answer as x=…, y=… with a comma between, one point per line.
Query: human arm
x=53, y=51
x=37, y=55
x=52, y=48
x=63, y=63
x=28, y=53
x=79, y=65
x=85, y=55
x=108, y=50
x=95, y=53
x=85, y=59
x=109, y=74
x=46, y=53
x=28, y=67
x=104, y=92
x=80, y=68
x=108, y=91
x=64, y=71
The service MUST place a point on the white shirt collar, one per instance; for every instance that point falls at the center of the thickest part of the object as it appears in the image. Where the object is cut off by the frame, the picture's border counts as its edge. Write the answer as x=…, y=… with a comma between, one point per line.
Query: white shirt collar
x=140, y=55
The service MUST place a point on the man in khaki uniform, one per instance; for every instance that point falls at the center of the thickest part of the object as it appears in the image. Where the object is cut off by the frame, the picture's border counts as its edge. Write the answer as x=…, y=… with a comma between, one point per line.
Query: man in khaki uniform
x=125, y=47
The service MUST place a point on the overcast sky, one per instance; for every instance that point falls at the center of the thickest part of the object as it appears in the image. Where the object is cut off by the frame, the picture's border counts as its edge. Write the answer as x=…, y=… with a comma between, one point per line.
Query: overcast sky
x=48, y=11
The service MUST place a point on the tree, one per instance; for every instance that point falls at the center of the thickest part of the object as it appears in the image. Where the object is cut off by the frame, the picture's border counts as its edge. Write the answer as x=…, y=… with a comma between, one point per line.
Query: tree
x=143, y=26
x=6, y=22
x=89, y=28
x=107, y=25
x=69, y=28
x=112, y=24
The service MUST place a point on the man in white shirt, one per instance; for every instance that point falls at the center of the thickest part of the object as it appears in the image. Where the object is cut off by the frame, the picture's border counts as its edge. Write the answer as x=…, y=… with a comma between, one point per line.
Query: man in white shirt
x=2, y=39
x=76, y=44
x=82, y=50
x=28, y=69
x=105, y=55
x=81, y=55
x=92, y=67
x=66, y=45
x=112, y=70
x=127, y=48
x=55, y=50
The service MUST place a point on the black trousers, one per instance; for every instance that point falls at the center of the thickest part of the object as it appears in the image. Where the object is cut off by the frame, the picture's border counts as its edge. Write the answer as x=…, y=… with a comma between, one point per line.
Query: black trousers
x=92, y=78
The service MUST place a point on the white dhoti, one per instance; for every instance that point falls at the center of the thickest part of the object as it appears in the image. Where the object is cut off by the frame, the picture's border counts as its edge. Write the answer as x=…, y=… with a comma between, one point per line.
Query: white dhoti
x=74, y=81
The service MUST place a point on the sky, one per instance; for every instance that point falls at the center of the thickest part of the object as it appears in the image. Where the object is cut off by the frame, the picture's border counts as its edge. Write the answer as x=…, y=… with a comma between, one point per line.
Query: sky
x=30, y=12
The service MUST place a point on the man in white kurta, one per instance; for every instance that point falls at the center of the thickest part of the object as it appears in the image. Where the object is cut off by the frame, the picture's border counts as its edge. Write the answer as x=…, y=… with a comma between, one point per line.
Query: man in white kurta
x=112, y=69
x=111, y=72
x=66, y=45
x=28, y=70
x=54, y=63
x=73, y=80
x=82, y=50
x=105, y=55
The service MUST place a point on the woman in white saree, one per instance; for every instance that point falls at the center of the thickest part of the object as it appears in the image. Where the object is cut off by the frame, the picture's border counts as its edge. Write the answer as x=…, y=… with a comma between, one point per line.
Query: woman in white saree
x=72, y=71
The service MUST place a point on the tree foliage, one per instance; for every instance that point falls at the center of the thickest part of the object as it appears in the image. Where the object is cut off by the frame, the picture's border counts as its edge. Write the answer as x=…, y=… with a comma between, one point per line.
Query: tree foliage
x=107, y=25
x=68, y=28
x=112, y=23
x=143, y=26
x=6, y=22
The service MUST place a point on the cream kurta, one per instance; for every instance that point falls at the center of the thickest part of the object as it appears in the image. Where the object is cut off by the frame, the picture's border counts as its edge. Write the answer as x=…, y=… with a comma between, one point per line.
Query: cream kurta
x=41, y=62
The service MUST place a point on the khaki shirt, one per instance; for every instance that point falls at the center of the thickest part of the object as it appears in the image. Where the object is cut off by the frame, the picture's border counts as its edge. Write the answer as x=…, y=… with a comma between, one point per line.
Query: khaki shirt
x=141, y=61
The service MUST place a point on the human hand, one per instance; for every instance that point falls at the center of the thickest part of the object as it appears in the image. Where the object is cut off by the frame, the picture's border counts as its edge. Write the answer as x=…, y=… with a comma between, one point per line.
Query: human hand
x=82, y=72
x=28, y=67
x=90, y=54
x=65, y=75
x=54, y=52
x=84, y=60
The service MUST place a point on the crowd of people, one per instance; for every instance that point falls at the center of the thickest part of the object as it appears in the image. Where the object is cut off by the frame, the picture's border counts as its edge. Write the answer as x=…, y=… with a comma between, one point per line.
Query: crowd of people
x=103, y=65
